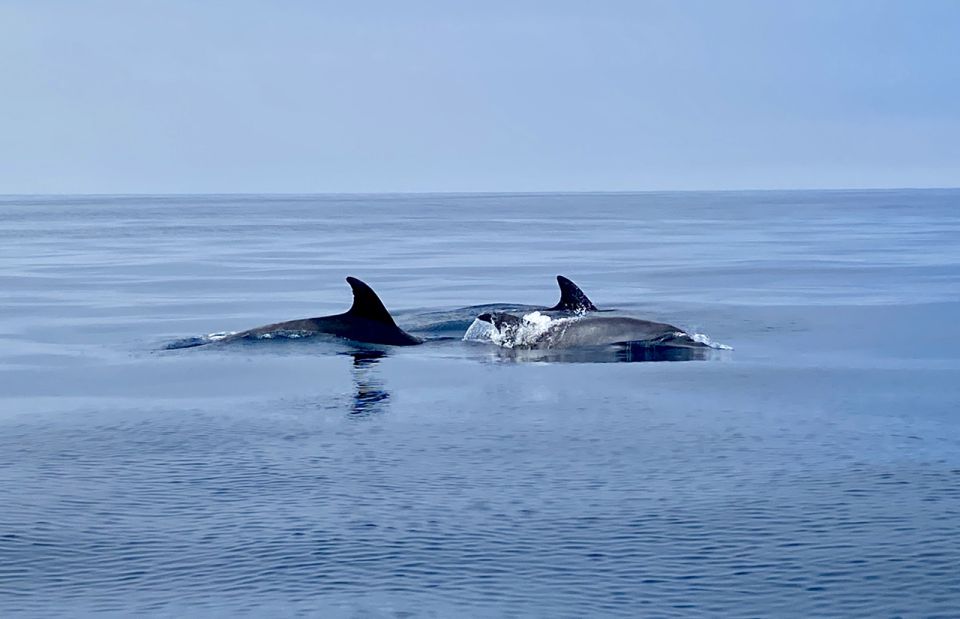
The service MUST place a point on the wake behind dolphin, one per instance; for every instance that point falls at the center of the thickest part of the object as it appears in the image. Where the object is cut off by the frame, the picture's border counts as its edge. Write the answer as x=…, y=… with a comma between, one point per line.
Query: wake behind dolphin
x=367, y=321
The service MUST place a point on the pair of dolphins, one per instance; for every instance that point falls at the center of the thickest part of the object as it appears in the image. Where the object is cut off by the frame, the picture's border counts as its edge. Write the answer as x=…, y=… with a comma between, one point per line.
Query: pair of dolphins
x=368, y=321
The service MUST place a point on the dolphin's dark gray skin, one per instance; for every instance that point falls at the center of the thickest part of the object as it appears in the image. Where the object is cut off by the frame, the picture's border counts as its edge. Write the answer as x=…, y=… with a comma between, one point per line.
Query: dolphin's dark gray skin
x=588, y=331
x=366, y=321
x=572, y=301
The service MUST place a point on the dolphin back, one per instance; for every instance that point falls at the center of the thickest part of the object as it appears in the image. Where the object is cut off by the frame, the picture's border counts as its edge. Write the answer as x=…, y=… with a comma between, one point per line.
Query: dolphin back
x=367, y=321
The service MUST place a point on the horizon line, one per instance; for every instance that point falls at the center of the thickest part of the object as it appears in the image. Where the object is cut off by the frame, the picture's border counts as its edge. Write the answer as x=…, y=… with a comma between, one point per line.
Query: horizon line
x=478, y=193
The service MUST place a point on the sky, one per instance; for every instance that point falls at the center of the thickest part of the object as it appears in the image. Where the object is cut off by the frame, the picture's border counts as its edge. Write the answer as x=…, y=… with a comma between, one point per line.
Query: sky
x=285, y=96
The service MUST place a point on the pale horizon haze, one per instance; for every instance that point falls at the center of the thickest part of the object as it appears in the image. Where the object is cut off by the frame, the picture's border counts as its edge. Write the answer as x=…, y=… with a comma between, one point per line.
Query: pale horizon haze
x=318, y=97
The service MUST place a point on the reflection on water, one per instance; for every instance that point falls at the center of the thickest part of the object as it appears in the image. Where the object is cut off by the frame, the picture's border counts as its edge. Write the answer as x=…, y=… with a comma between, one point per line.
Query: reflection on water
x=630, y=352
x=370, y=398
x=638, y=351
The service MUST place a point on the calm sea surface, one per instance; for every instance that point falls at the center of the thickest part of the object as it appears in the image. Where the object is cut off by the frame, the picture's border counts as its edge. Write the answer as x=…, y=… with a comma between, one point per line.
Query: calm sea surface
x=814, y=470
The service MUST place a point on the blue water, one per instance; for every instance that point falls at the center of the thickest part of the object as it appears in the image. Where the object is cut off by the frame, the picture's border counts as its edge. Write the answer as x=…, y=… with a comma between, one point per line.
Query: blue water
x=814, y=470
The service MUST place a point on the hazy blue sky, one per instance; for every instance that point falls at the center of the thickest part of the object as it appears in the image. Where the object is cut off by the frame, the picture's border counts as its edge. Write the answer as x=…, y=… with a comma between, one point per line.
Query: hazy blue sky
x=167, y=96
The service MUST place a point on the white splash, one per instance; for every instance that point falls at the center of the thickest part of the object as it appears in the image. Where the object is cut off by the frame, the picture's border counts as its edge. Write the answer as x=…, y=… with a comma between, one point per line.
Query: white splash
x=219, y=335
x=479, y=331
x=284, y=334
x=701, y=338
x=526, y=334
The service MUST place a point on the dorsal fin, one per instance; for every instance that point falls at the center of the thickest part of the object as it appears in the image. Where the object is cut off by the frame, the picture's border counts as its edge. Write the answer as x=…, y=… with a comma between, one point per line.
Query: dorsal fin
x=572, y=298
x=366, y=303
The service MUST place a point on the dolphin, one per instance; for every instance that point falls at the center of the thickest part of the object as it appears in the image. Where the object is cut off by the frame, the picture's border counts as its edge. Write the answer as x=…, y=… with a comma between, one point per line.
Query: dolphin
x=367, y=321
x=572, y=301
x=584, y=331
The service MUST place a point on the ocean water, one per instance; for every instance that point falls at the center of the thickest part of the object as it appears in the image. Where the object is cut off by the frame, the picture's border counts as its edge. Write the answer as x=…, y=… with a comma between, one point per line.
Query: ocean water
x=813, y=470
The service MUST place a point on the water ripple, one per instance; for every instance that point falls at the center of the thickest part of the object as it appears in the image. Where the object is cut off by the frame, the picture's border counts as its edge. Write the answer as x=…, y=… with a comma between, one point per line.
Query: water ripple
x=207, y=506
